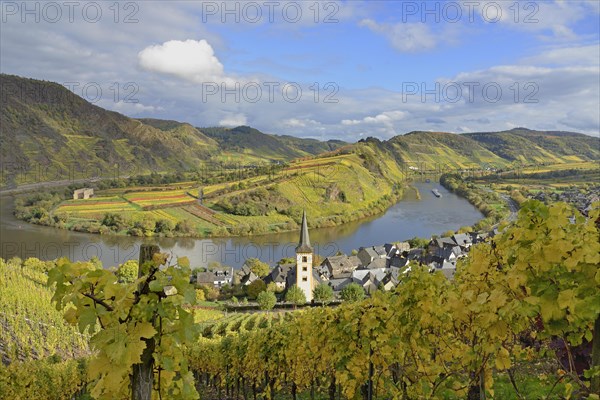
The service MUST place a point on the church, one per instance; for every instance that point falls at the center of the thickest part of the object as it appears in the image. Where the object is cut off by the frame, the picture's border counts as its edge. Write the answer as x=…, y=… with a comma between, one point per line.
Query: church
x=303, y=275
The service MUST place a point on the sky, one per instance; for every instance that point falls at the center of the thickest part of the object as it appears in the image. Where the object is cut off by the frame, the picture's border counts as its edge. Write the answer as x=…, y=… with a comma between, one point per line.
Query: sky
x=320, y=69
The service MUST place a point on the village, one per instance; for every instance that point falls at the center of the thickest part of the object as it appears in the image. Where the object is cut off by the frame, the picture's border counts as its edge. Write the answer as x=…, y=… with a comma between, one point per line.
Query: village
x=370, y=268
x=582, y=200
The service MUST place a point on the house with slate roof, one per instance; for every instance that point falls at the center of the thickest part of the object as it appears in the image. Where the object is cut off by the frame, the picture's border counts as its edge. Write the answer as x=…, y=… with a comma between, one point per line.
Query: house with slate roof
x=279, y=275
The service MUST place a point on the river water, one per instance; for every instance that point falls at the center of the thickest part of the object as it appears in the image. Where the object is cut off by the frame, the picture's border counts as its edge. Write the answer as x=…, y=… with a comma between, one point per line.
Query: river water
x=408, y=218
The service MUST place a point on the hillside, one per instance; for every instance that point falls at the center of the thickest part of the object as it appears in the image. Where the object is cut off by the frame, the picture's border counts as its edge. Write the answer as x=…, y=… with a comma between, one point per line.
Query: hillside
x=525, y=145
x=46, y=127
x=251, y=142
x=432, y=149
x=182, y=131
x=447, y=149
x=44, y=124
x=30, y=325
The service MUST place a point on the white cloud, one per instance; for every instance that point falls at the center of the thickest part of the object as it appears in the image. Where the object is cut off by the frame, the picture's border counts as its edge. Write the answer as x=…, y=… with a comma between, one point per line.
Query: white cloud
x=300, y=122
x=574, y=55
x=131, y=108
x=385, y=118
x=234, y=120
x=193, y=60
x=556, y=18
x=405, y=37
x=383, y=123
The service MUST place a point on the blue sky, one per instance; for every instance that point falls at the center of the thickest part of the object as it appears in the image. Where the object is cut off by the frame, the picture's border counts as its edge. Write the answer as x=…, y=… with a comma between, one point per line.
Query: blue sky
x=376, y=57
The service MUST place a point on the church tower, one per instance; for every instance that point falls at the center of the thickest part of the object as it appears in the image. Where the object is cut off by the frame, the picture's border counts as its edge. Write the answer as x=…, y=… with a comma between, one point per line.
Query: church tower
x=304, y=260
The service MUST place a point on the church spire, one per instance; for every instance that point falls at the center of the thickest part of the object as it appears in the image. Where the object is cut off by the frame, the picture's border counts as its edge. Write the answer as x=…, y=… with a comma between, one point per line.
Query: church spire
x=304, y=243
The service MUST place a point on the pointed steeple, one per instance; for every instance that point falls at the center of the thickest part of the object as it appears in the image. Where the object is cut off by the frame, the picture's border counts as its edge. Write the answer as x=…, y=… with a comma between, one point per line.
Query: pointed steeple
x=304, y=243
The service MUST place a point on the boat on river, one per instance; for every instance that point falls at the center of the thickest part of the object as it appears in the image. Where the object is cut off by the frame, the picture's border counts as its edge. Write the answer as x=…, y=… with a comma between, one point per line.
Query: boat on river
x=436, y=193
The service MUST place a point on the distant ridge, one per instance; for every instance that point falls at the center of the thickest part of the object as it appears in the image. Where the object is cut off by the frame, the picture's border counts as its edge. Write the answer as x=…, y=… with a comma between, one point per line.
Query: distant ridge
x=55, y=130
x=541, y=146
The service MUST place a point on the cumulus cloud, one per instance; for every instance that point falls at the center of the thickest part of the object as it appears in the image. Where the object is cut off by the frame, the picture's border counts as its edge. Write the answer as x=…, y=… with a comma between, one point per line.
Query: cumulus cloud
x=300, y=122
x=385, y=118
x=383, y=123
x=233, y=120
x=193, y=60
x=132, y=108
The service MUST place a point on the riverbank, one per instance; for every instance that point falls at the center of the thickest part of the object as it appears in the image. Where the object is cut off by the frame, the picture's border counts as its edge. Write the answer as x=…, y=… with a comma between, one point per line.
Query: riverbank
x=402, y=221
x=417, y=193
x=490, y=203
x=45, y=209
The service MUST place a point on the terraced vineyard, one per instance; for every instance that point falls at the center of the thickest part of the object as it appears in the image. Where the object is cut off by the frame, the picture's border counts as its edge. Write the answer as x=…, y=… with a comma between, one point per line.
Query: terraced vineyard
x=204, y=213
x=159, y=198
x=241, y=322
x=95, y=207
x=30, y=326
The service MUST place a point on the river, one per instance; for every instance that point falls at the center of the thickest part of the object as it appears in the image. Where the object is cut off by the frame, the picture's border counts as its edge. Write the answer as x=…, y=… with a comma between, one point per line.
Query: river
x=408, y=218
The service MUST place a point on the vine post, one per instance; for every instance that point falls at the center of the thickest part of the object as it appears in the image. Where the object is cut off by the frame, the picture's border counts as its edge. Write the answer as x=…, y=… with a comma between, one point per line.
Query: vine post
x=142, y=377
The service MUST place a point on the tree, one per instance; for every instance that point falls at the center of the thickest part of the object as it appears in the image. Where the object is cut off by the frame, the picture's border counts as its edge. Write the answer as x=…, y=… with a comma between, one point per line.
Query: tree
x=113, y=220
x=137, y=330
x=258, y=267
x=296, y=296
x=184, y=226
x=212, y=265
x=317, y=260
x=353, y=292
x=164, y=226
x=128, y=271
x=266, y=300
x=211, y=293
x=255, y=288
x=323, y=293
x=272, y=287
x=417, y=242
